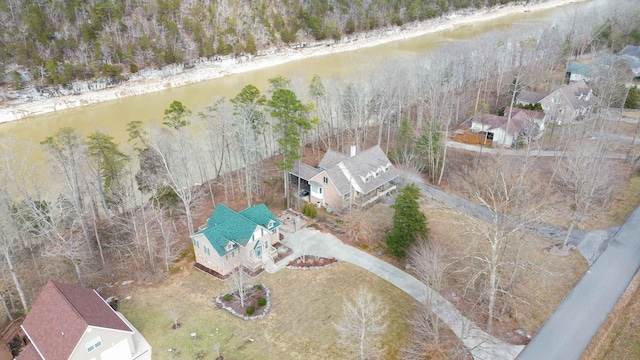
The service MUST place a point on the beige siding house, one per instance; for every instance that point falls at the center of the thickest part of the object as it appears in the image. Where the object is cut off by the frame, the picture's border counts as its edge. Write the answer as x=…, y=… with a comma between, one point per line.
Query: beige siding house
x=230, y=239
x=70, y=322
x=341, y=179
x=569, y=102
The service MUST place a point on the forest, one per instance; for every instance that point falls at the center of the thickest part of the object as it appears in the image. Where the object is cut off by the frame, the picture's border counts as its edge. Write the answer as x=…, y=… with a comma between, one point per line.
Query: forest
x=57, y=42
x=94, y=210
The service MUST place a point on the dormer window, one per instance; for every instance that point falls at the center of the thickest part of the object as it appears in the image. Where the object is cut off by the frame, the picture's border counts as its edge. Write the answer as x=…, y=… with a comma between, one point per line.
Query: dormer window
x=367, y=178
x=377, y=174
x=271, y=224
x=387, y=168
x=229, y=246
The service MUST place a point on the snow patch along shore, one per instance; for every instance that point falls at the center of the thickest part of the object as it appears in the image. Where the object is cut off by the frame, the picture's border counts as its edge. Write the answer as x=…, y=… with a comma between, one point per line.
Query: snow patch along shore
x=148, y=81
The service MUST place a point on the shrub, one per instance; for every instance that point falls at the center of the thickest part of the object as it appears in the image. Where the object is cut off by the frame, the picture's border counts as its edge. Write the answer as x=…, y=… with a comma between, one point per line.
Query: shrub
x=310, y=210
x=257, y=287
x=262, y=302
x=251, y=310
x=227, y=297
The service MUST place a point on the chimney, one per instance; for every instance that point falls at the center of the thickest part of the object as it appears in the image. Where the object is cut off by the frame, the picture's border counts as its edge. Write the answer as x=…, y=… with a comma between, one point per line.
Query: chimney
x=353, y=151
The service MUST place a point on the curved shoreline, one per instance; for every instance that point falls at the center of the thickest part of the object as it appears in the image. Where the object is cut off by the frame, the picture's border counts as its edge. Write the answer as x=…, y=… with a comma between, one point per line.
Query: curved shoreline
x=232, y=66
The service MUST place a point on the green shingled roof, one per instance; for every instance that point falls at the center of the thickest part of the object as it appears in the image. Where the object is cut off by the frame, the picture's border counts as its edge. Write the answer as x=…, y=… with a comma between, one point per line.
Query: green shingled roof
x=261, y=215
x=226, y=225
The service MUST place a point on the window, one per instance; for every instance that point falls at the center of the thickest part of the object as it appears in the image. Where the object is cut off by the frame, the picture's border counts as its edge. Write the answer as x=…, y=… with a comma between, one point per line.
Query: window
x=229, y=246
x=196, y=243
x=325, y=180
x=386, y=168
x=231, y=254
x=207, y=251
x=270, y=224
x=545, y=107
x=556, y=101
x=93, y=344
x=377, y=174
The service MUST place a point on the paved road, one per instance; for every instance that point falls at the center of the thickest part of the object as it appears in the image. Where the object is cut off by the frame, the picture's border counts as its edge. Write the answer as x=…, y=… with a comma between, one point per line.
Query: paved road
x=568, y=332
x=480, y=344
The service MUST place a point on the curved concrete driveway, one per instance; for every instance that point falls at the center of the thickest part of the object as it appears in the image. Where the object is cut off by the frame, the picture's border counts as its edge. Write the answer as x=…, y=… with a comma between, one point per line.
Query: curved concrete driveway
x=480, y=344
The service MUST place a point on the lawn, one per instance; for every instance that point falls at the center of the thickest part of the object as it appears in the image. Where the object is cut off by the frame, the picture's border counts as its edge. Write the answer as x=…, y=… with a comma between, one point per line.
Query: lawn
x=305, y=304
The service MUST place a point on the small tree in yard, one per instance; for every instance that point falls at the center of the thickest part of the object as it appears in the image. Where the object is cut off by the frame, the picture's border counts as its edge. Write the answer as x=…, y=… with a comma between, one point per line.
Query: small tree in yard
x=174, y=311
x=408, y=221
x=241, y=284
x=362, y=325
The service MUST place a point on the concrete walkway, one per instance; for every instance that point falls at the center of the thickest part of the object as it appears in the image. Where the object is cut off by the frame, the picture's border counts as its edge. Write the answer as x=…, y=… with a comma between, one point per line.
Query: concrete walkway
x=480, y=344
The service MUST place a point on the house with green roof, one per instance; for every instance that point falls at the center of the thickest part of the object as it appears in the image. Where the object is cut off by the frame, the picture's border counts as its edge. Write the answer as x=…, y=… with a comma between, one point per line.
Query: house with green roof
x=230, y=239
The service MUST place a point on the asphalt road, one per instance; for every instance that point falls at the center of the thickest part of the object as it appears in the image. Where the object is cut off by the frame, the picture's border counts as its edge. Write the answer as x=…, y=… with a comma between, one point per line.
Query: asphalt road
x=568, y=332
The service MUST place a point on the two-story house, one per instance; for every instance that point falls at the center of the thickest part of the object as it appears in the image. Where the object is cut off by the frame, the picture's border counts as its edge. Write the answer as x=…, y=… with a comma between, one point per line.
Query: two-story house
x=70, y=322
x=230, y=239
x=342, y=180
x=569, y=102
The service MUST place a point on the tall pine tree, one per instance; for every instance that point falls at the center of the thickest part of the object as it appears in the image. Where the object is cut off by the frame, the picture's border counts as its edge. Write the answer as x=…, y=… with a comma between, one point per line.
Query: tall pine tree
x=409, y=222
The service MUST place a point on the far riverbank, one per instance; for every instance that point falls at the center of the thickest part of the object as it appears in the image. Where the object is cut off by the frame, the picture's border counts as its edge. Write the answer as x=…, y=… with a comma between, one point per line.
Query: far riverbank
x=155, y=81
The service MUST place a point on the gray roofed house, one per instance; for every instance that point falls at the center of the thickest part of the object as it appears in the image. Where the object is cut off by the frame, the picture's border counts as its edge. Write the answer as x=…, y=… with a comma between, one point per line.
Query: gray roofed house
x=343, y=179
x=569, y=102
x=526, y=97
x=631, y=50
x=631, y=61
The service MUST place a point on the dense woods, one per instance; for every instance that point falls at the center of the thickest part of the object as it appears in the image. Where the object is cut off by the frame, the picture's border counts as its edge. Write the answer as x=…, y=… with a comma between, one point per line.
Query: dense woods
x=97, y=208
x=57, y=42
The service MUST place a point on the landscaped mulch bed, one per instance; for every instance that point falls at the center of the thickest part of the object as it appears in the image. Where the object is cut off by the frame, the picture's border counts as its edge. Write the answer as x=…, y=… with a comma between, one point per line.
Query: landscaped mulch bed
x=310, y=262
x=233, y=305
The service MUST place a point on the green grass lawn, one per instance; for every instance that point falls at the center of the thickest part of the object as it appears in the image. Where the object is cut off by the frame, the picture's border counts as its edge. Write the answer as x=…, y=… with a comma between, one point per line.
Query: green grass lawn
x=305, y=304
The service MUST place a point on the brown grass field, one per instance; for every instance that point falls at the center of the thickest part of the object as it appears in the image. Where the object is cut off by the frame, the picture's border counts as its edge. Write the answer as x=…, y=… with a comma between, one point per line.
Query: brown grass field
x=305, y=305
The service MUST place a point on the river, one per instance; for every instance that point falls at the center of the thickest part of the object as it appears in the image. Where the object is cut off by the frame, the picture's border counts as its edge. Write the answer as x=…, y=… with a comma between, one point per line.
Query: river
x=111, y=117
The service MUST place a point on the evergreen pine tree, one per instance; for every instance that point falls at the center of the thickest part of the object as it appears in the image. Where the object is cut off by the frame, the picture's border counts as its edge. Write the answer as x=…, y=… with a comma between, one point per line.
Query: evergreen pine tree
x=408, y=221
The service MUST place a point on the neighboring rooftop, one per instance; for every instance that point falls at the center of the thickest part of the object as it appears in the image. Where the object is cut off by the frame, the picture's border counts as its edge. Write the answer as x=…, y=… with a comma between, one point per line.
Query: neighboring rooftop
x=60, y=317
x=531, y=97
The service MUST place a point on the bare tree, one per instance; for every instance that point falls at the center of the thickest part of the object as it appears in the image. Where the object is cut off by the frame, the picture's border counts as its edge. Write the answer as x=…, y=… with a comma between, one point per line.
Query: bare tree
x=362, y=325
x=426, y=259
x=241, y=284
x=586, y=179
x=175, y=311
x=10, y=240
x=496, y=240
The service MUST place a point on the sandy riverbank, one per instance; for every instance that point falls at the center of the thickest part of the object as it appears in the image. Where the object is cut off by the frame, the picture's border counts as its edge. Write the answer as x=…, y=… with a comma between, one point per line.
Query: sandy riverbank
x=234, y=66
